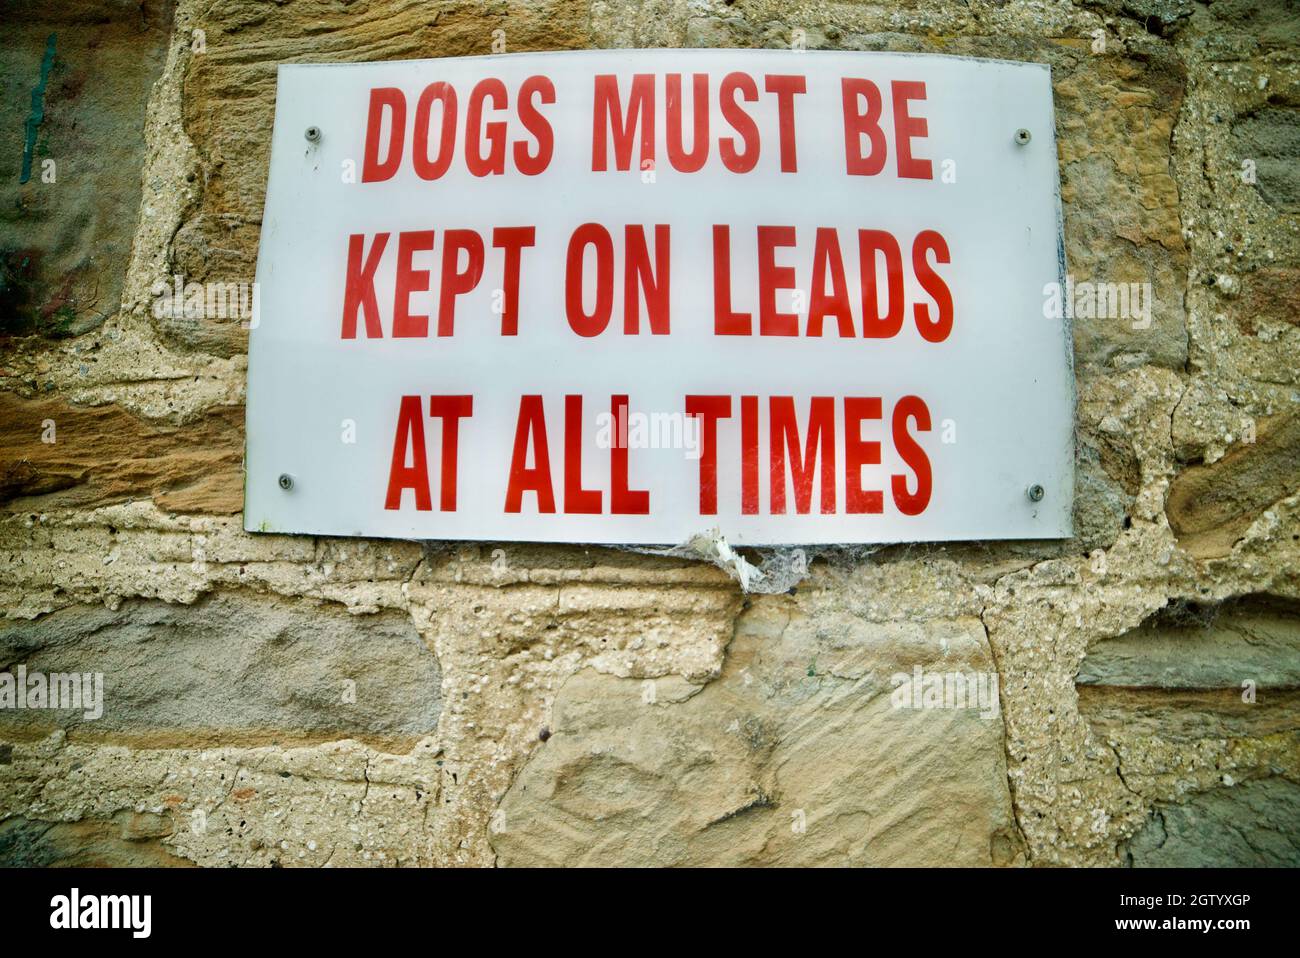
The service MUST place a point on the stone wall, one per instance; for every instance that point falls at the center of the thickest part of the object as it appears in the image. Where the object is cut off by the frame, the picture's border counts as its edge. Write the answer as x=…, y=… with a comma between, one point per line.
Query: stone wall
x=302, y=701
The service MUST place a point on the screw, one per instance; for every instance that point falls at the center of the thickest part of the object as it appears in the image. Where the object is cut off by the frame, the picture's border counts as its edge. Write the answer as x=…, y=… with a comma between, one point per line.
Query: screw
x=313, y=134
x=1035, y=493
x=1022, y=136
x=286, y=481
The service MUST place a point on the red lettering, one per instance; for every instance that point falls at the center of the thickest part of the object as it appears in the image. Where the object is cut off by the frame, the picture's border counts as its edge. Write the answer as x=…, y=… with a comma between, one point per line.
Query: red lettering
x=495, y=161
x=512, y=239
x=577, y=500
x=908, y=128
x=530, y=430
x=359, y=287
x=784, y=434
x=741, y=122
x=640, y=277
x=709, y=409
x=451, y=410
x=826, y=256
x=409, y=280
x=681, y=160
x=785, y=88
x=622, y=500
x=455, y=280
x=875, y=326
x=911, y=503
x=410, y=434
x=726, y=322
x=425, y=168
x=771, y=278
x=858, y=453
x=373, y=169
x=856, y=124
x=749, y=455
x=536, y=124
x=593, y=323
x=932, y=330
x=607, y=112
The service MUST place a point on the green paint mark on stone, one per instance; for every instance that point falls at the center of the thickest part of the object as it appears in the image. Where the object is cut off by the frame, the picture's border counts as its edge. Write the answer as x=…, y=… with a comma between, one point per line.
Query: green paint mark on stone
x=38, y=109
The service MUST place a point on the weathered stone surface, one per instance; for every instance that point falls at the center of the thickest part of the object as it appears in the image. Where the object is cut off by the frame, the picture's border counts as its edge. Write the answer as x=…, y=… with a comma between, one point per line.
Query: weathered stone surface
x=1194, y=672
x=1242, y=341
x=1188, y=647
x=795, y=755
x=1237, y=29
x=1269, y=293
x=232, y=668
x=1211, y=506
x=1141, y=716
x=56, y=455
x=337, y=803
x=506, y=651
x=117, y=843
x=1270, y=138
x=1253, y=825
x=76, y=80
x=1115, y=119
x=1158, y=16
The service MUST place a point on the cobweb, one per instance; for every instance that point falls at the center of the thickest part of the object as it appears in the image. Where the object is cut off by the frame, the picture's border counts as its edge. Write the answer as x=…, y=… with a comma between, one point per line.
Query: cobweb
x=758, y=569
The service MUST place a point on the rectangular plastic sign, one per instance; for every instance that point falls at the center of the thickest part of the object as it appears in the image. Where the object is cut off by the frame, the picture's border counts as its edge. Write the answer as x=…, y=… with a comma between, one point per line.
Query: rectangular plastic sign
x=632, y=296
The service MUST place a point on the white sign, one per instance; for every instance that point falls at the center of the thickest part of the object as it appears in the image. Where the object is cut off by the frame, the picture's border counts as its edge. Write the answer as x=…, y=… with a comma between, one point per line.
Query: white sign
x=632, y=296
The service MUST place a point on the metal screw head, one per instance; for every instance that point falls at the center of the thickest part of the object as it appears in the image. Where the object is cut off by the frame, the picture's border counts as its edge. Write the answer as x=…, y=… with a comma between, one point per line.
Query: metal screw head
x=1035, y=493
x=1022, y=136
x=313, y=134
x=286, y=481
